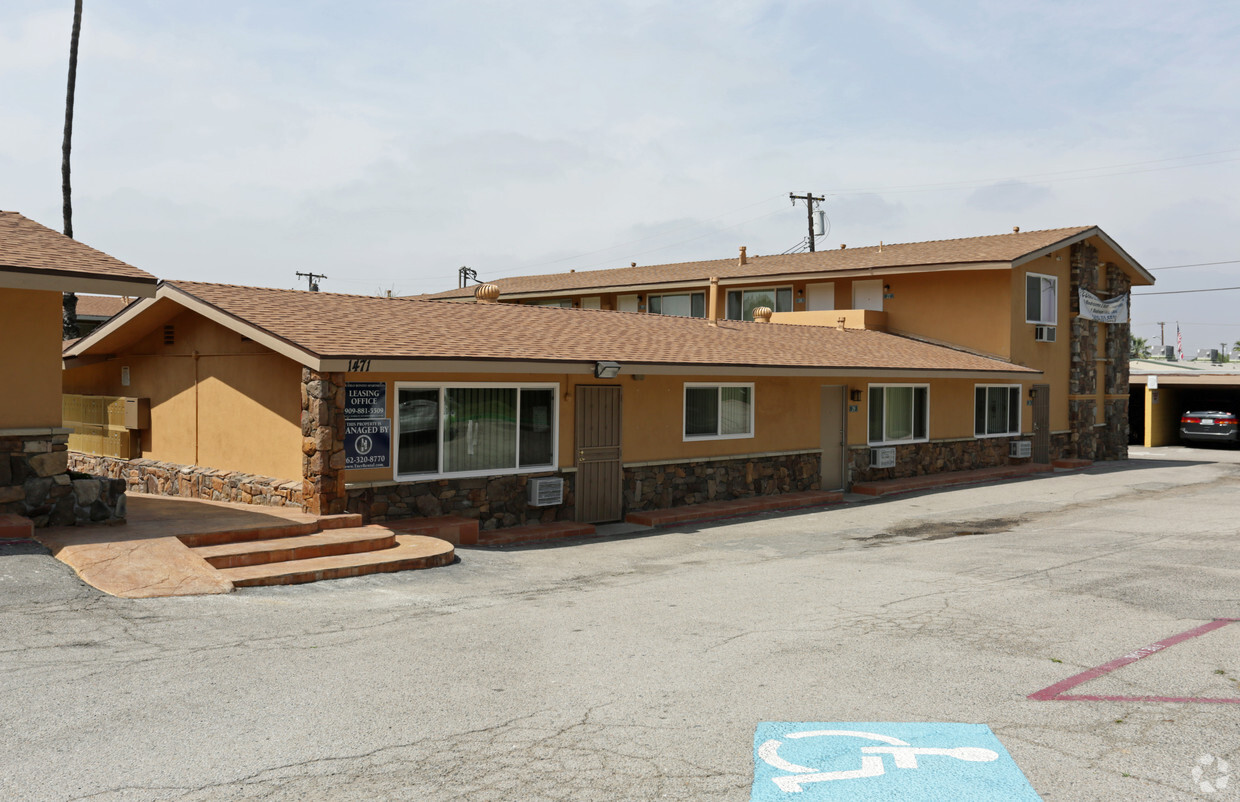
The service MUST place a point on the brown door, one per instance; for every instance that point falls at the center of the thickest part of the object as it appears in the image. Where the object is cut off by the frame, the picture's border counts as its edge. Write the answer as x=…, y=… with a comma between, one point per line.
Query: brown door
x=599, y=476
x=831, y=433
x=1041, y=423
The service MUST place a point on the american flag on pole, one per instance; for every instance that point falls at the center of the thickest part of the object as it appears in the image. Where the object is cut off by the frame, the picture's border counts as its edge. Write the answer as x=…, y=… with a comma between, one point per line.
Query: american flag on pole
x=1179, y=342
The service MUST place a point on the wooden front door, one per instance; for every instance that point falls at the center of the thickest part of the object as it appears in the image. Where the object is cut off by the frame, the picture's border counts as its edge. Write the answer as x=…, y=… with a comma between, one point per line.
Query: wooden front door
x=831, y=434
x=1041, y=423
x=599, y=490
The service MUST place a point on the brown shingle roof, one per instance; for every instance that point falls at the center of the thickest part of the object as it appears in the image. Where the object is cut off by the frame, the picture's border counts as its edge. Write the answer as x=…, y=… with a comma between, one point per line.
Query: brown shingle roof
x=329, y=325
x=28, y=247
x=103, y=306
x=997, y=248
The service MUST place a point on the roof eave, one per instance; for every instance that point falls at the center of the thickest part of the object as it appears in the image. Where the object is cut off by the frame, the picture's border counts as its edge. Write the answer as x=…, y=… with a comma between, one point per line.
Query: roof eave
x=25, y=278
x=1092, y=231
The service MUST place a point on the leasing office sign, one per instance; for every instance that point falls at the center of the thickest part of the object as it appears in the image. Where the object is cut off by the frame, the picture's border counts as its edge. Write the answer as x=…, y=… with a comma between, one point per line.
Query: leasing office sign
x=1114, y=310
x=367, y=428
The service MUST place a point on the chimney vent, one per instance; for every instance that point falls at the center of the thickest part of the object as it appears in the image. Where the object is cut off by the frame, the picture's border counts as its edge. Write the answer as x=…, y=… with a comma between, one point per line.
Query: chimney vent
x=762, y=314
x=1015, y=229
x=486, y=294
x=843, y=246
x=744, y=258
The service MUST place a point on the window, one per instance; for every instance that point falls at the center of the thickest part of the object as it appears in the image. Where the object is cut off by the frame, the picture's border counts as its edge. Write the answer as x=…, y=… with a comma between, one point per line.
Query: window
x=996, y=410
x=741, y=303
x=899, y=413
x=682, y=305
x=475, y=429
x=1040, y=298
x=718, y=411
x=564, y=302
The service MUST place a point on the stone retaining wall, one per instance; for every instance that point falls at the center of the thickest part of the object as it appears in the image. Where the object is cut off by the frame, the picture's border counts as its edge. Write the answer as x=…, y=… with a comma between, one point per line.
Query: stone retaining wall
x=658, y=487
x=35, y=482
x=496, y=501
x=190, y=481
x=919, y=459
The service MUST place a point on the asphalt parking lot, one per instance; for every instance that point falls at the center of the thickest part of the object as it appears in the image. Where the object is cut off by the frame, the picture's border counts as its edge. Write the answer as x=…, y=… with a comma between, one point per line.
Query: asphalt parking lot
x=638, y=667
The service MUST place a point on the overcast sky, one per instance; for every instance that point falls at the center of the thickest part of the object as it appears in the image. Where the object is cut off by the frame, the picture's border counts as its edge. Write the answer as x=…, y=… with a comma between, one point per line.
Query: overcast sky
x=386, y=144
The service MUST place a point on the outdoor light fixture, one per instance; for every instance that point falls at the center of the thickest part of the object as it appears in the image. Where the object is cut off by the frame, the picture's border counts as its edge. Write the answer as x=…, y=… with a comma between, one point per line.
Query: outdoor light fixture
x=606, y=370
x=854, y=395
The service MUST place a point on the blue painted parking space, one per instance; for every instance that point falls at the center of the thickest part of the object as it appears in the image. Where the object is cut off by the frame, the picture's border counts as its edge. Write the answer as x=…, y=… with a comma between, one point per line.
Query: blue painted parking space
x=887, y=761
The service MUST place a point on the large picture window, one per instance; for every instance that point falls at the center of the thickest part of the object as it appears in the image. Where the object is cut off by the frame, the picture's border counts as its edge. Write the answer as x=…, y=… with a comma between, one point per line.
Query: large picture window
x=681, y=305
x=475, y=429
x=1041, y=294
x=741, y=303
x=718, y=411
x=899, y=413
x=996, y=410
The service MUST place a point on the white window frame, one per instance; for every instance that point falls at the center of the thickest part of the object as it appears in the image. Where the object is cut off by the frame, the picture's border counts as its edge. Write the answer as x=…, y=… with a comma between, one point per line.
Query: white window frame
x=443, y=388
x=1054, y=310
x=1019, y=412
x=719, y=386
x=773, y=290
x=870, y=400
x=689, y=295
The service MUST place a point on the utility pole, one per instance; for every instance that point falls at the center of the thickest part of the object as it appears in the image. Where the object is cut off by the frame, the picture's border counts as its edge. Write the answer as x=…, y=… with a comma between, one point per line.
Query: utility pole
x=1162, y=338
x=310, y=277
x=810, y=203
x=464, y=276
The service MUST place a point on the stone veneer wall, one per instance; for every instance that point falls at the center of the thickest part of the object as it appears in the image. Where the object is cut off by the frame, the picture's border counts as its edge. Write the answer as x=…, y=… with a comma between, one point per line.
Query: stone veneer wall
x=496, y=501
x=34, y=482
x=1089, y=440
x=917, y=459
x=656, y=487
x=322, y=442
x=190, y=481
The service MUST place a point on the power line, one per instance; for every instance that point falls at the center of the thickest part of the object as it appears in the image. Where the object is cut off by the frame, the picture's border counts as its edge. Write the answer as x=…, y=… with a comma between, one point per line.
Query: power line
x=1182, y=292
x=1198, y=264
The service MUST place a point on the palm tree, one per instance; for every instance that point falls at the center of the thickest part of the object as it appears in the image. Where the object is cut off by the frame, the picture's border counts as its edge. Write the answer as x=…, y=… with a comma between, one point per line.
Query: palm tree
x=1138, y=348
x=70, y=301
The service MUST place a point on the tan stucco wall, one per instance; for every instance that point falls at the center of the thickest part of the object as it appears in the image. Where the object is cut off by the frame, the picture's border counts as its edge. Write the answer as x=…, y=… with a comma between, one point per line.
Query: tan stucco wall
x=1053, y=359
x=1162, y=419
x=786, y=413
x=30, y=336
x=236, y=406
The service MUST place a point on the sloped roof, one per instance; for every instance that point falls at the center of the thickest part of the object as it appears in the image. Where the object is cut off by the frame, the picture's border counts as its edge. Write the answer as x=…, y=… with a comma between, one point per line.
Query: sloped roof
x=333, y=326
x=28, y=248
x=970, y=250
x=103, y=306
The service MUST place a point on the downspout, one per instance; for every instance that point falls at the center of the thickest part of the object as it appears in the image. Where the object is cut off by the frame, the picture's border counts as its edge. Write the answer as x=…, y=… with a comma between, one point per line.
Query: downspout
x=196, y=422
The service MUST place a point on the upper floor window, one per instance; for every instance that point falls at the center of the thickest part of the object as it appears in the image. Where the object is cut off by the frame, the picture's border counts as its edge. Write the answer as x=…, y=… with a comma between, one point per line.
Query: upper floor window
x=741, y=303
x=681, y=305
x=899, y=413
x=996, y=410
x=565, y=302
x=1041, y=294
x=718, y=411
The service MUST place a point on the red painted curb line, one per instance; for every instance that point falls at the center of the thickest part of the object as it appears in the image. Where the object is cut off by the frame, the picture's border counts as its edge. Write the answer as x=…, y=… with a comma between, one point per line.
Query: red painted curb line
x=1055, y=693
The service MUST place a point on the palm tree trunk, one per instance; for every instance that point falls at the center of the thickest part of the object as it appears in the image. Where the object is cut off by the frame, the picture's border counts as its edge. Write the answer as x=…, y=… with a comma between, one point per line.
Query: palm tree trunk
x=70, y=302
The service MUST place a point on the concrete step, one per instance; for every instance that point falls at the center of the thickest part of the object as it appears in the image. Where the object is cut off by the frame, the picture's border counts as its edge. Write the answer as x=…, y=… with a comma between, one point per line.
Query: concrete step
x=948, y=479
x=456, y=529
x=712, y=510
x=410, y=552
x=534, y=533
x=271, y=531
x=15, y=527
x=303, y=547
x=344, y=520
x=1071, y=464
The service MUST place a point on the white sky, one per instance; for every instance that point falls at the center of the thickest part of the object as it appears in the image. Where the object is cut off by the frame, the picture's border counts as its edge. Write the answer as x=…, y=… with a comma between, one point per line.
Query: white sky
x=388, y=143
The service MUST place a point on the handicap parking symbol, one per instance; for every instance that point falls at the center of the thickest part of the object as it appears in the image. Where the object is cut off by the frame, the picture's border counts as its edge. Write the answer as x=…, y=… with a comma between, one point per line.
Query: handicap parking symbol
x=857, y=761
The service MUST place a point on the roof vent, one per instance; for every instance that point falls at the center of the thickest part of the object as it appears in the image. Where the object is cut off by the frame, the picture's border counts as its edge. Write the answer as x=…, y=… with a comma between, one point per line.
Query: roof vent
x=1015, y=229
x=486, y=294
x=762, y=314
x=744, y=258
x=170, y=335
x=843, y=246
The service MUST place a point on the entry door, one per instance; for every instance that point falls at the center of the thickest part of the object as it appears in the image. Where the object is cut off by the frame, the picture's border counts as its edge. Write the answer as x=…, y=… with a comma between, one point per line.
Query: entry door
x=868, y=295
x=832, y=437
x=820, y=297
x=599, y=476
x=1041, y=423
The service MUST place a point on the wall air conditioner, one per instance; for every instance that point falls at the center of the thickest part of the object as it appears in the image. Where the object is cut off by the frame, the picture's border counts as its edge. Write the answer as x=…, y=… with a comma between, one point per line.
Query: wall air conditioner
x=882, y=457
x=546, y=491
x=1044, y=334
x=1020, y=449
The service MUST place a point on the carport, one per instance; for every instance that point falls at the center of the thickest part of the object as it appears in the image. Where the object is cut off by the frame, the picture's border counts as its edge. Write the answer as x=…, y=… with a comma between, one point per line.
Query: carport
x=1160, y=392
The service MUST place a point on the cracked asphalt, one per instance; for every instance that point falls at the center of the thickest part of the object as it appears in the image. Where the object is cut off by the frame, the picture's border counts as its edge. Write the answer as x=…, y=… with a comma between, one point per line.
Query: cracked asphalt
x=637, y=667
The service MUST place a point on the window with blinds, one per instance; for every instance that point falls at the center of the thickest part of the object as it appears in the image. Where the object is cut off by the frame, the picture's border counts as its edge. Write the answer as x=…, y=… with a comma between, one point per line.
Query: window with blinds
x=718, y=411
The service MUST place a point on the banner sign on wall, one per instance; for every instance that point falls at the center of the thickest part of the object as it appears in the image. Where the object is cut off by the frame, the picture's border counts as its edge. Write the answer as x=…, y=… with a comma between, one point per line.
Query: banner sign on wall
x=1114, y=310
x=368, y=443
x=365, y=400
x=367, y=429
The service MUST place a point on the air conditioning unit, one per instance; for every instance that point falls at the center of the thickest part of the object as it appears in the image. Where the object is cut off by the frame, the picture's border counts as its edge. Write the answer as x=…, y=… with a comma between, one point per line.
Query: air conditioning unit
x=882, y=457
x=546, y=491
x=1020, y=449
x=1044, y=334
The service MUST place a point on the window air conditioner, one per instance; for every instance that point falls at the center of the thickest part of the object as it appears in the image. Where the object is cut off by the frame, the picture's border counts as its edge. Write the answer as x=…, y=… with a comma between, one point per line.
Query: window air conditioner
x=1020, y=449
x=546, y=491
x=882, y=458
x=1044, y=334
